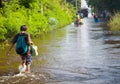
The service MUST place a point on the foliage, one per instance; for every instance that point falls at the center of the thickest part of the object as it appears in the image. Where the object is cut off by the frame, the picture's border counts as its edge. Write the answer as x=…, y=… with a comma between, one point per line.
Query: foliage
x=25, y=3
x=73, y=2
x=35, y=14
x=3, y=31
x=115, y=22
x=110, y=5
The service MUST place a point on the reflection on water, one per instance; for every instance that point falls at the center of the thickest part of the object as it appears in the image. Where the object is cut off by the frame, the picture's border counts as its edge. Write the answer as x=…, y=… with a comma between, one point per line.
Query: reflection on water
x=72, y=55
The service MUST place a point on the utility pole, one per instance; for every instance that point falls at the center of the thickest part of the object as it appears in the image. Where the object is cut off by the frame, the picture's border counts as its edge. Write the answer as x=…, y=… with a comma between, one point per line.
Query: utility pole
x=76, y=6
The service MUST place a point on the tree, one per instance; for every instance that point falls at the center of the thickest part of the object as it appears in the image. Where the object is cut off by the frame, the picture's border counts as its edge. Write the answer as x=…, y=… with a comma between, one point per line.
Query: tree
x=1, y=3
x=100, y=5
x=73, y=2
x=26, y=3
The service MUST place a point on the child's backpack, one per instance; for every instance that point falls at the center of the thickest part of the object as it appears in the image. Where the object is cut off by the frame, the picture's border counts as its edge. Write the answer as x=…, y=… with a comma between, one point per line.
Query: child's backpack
x=21, y=45
x=34, y=50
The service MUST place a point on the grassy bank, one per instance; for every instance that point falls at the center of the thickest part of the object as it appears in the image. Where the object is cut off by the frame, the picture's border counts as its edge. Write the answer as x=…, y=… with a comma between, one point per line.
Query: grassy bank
x=114, y=23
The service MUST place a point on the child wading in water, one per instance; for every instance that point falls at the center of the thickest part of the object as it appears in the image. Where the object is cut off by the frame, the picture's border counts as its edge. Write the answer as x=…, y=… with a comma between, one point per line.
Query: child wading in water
x=26, y=57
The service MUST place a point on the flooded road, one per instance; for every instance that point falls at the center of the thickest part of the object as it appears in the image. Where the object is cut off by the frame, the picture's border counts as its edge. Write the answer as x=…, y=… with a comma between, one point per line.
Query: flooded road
x=72, y=55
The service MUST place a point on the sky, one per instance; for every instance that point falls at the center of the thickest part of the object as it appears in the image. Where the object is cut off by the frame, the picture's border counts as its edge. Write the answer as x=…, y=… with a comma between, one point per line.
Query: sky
x=83, y=4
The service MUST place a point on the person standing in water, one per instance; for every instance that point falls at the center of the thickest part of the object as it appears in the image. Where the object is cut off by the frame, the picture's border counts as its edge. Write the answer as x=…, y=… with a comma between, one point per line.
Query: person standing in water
x=26, y=57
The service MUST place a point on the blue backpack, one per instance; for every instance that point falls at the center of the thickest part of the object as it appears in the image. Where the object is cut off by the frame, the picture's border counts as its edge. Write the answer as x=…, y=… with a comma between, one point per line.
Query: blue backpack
x=21, y=45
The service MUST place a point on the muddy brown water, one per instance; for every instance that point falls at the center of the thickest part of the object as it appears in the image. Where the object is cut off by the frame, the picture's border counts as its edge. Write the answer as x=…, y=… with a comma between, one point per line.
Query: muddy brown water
x=71, y=55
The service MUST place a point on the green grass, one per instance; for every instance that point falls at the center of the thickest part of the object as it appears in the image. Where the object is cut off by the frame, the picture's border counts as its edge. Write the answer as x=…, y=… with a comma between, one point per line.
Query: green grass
x=114, y=23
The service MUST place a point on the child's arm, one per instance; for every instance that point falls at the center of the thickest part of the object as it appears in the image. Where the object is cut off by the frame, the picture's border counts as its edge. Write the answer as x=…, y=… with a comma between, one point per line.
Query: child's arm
x=10, y=48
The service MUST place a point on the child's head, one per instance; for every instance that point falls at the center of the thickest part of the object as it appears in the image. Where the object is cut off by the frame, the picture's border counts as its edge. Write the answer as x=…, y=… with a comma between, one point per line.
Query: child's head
x=23, y=28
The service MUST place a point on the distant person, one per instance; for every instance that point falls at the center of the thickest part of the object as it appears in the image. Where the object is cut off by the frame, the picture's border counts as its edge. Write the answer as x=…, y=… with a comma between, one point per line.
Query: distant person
x=24, y=52
x=95, y=18
x=81, y=14
x=77, y=20
x=104, y=15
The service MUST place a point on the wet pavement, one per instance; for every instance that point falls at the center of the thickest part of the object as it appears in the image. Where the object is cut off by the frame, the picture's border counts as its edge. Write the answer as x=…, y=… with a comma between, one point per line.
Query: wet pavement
x=74, y=55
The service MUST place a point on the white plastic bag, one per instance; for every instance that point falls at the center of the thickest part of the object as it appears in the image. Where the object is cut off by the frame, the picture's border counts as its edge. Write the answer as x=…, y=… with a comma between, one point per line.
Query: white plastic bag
x=34, y=50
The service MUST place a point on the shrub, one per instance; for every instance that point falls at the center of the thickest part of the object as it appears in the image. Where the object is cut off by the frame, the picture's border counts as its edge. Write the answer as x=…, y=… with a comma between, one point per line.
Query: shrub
x=35, y=14
x=114, y=23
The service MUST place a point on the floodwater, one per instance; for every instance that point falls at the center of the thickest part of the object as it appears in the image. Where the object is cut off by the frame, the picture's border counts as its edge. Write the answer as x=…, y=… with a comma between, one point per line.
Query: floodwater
x=71, y=55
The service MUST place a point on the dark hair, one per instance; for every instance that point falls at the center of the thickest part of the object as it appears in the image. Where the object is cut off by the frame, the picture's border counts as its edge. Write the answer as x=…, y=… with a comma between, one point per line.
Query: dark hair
x=23, y=28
